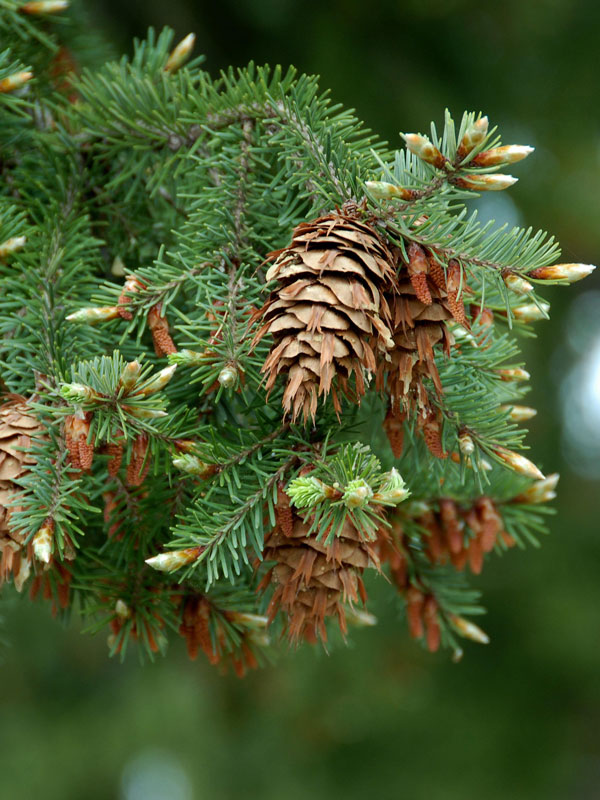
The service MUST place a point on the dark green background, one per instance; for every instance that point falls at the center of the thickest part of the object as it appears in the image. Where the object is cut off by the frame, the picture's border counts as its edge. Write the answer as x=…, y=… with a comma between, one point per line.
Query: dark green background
x=518, y=719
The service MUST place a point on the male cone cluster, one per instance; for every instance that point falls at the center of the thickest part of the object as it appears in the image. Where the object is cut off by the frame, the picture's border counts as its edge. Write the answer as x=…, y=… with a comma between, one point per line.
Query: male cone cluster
x=447, y=526
x=427, y=297
x=328, y=316
x=313, y=580
x=17, y=427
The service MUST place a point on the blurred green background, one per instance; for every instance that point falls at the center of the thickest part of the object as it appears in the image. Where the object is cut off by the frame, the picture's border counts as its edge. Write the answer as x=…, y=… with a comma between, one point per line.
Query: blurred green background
x=518, y=719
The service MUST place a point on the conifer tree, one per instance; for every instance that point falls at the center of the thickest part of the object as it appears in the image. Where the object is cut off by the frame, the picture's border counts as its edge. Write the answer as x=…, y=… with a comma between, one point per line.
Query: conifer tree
x=253, y=358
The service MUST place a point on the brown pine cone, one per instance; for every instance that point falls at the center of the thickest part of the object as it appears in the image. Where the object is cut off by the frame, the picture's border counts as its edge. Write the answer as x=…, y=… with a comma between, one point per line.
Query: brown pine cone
x=328, y=315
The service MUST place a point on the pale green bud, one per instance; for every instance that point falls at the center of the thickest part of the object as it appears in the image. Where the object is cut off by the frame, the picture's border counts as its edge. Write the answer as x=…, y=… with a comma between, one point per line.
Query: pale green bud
x=144, y=413
x=42, y=544
x=360, y=617
x=93, y=315
x=157, y=382
x=473, y=136
x=174, y=559
x=357, y=494
x=393, y=489
x=228, y=377
x=78, y=393
x=130, y=375
x=540, y=491
x=12, y=245
x=468, y=629
x=424, y=149
x=21, y=577
x=516, y=283
x=384, y=191
x=531, y=312
x=15, y=81
x=180, y=53
x=563, y=272
x=509, y=154
x=192, y=465
x=466, y=444
x=519, y=463
x=307, y=491
x=187, y=357
x=44, y=7
x=122, y=609
x=514, y=374
x=486, y=183
x=519, y=413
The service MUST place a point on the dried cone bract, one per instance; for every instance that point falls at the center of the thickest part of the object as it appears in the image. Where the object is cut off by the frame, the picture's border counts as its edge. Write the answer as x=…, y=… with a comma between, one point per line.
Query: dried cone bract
x=328, y=316
x=17, y=427
x=313, y=581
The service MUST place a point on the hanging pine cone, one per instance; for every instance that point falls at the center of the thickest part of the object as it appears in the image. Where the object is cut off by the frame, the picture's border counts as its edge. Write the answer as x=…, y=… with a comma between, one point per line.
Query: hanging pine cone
x=426, y=297
x=313, y=580
x=17, y=426
x=328, y=312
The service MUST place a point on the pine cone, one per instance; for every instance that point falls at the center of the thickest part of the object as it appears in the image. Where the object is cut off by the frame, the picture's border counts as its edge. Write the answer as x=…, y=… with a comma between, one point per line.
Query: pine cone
x=313, y=580
x=17, y=426
x=328, y=311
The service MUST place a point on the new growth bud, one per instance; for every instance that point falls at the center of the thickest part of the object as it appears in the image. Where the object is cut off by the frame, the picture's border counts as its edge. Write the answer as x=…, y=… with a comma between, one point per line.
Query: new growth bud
x=514, y=374
x=78, y=393
x=360, y=617
x=393, y=489
x=381, y=190
x=468, y=629
x=486, y=183
x=24, y=572
x=194, y=466
x=532, y=312
x=307, y=491
x=187, y=357
x=174, y=560
x=424, y=149
x=540, y=491
x=44, y=7
x=519, y=463
x=228, y=377
x=466, y=444
x=122, y=610
x=93, y=315
x=509, y=154
x=157, y=382
x=15, y=81
x=42, y=542
x=118, y=267
x=144, y=413
x=247, y=620
x=357, y=494
x=473, y=136
x=12, y=245
x=563, y=272
x=181, y=53
x=516, y=283
x=129, y=376
x=519, y=413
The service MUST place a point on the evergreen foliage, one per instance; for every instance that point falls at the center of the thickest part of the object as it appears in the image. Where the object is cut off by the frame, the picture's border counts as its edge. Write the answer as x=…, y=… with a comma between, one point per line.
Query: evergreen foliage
x=139, y=203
